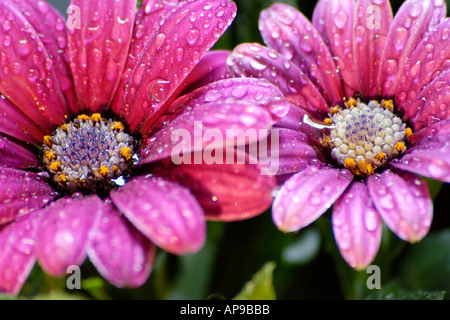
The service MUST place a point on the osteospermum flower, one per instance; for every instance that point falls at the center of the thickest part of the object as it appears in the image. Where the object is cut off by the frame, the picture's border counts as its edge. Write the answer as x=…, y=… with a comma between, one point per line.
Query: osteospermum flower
x=86, y=118
x=370, y=106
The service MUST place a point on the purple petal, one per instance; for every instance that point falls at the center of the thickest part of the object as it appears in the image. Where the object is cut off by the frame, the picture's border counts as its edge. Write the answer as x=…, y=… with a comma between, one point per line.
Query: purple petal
x=411, y=22
x=168, y=57
x=430, y=157
x=227, y=192
x=357, y=226
x=51, y=28
x=17, y=256
x=167, y=213
x=372, y=23
x=427, y=61
x=15, y=155
x=119, y=252
x=403, y=202
x=307, y=195
x=333, y=19
x=65, y=233
x=289, y=32
x=21, y=192
x=99, y=48
x=27, y=76
x=256, y=61
x=208, y=125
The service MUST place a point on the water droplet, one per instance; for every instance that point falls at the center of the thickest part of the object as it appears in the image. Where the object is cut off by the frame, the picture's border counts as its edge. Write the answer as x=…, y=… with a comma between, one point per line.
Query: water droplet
x=159, y=40
x=391, y=66
x=285, y=16
x=192, y=36
x=158, y=89
x=415, y=9
x=399, y=38
x=257, y=65
x=340, y=19
x=23, y=48
x=371, y=220
x=306, y=43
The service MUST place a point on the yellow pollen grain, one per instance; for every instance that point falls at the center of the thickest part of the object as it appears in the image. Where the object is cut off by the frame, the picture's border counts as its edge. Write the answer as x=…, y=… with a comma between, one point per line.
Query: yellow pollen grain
x=399, y=146
x=334, y=110
x=326, y=141
x=408, y=132
x=48, y=141
x=55, y=166
x=117, y=125
x=381, y=156
x=349, y=163
x=83, y=117
x=50, y=155
x=328, y=121
x=365, y=167
x=351, y=102
x=96, y=117
x=62, y=178
x=115, y=169
x=104, y=171
x=64, y=127
x=388, y=104
x=126, y=153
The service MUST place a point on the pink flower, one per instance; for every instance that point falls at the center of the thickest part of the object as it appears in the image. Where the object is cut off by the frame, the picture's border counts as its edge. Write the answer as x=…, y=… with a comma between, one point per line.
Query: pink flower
x=87, y=112
x=370, y=106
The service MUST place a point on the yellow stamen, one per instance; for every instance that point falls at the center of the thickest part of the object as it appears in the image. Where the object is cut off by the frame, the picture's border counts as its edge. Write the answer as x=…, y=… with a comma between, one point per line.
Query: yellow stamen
x=115, y=169
x=400, y=146
x=55, y=166
x=83, y=117
x=408, y=132
x=326, y=141
x=104, y=171
x=48, y=141
x=349, y=163
x=62, y=178
x=351, y=102
x=388, y=104
x=117, y=125
x=96, y=117
x=365, y=167
x=334, y=110
x=381, y=156
x=328, y=121
x=50, y=155
x=64, y=127
x=126, y=153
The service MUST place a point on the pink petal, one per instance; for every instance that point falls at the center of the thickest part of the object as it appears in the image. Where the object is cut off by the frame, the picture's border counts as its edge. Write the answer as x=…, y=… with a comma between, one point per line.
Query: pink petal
x=208, y=125
x=17, y=256
x=51, y=28
x=431, y=156
x=18, y=125
x=428, y=60
x=99, y=48
x=256, y=61
x=119, y=252
x=432, y=104
x=167, y=213
x=289, y=32
x=21, y=192
x=411, y=22
x=357, y=226
x=333, y=19
x=372, y=22
x=16, y=155
x=403, y=202
x=27, y=76
x=307, y=195
x=170, y=55
x=227, y=192
x=65, y=233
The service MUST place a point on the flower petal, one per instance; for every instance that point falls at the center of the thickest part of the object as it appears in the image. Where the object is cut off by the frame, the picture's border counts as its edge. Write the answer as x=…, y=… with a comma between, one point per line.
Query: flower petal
x=256, y=61
x=98, y=48
x=119, y=252
x=27, y=76
x=22, y=192
x=17, y=256
x=428, y=60
x=212, y=125
x=372, y=23
x=51, y=28
x=227, y=191
x=333, y=19
x=65, y=233
x=15, y=155
x=307, y=195
x=169, y=56
x=403, y=202
x=288, y=31
x=430, y=157
x=411, y=22
x=357, y=226
x=167, y=213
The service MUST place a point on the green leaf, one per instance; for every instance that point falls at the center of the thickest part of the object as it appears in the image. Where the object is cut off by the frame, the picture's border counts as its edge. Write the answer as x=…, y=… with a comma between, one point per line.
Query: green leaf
x=303, y=249
x=261, y=285
x=393, y=291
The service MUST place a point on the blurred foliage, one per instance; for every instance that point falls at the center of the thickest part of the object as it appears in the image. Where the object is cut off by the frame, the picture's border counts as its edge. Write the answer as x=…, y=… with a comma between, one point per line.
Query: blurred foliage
x=261, y=285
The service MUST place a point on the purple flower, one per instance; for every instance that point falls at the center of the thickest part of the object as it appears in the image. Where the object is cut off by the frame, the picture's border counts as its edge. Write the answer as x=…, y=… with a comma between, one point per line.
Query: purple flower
x=370, y=106
x=87, y=111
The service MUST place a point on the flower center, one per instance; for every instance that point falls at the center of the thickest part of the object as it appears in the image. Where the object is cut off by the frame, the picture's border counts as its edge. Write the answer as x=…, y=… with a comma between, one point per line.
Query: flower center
x=364, y=137
x=89, y=154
